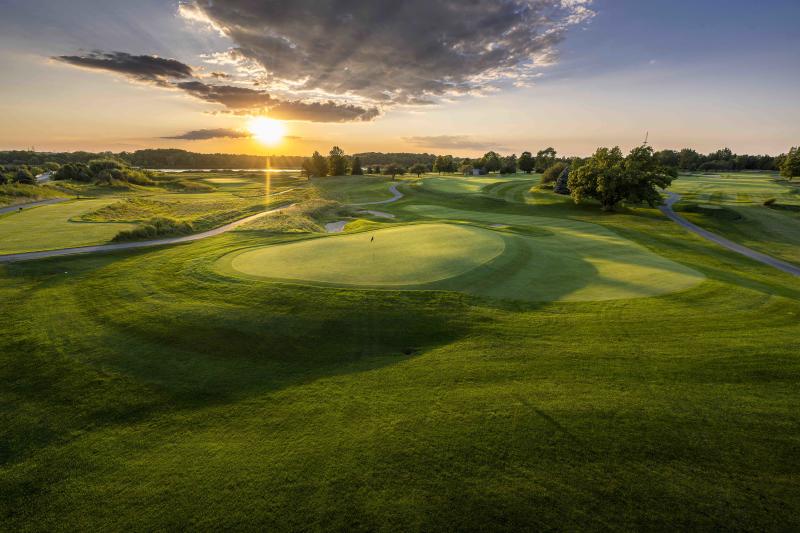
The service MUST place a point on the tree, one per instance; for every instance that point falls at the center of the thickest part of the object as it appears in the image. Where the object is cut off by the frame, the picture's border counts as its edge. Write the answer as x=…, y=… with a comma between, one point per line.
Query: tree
x=668, y=158
x=23, y=175
x=509, y=165
x=688, y=159
x=611, y=178
x=790, y=166
x=439, y=164
x=491, y=162
x=444, y=163
x=393, y=170
x=357, y=170
x=319, y=166
x=307, y=168
x=419, y=169
x=337, y=162
x=526, y=162
x=551, y=174
x=466, y=169
x=545, y=158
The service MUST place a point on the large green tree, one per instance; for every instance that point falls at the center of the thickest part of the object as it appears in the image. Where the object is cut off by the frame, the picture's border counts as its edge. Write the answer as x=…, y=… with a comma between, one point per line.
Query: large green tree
x=509, y=164
x=790, y=166
x=319, y=165
x=418, y=168
x=545, y=159
x=393, y=170
x=611, y=178
x=337, y=162
x=491, y=161
x=526, y=162
x=356, y=169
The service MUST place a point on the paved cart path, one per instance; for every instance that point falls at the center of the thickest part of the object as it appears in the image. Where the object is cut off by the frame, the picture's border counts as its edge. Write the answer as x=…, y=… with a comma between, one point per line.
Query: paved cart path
x=722, y=241
x=27, y=256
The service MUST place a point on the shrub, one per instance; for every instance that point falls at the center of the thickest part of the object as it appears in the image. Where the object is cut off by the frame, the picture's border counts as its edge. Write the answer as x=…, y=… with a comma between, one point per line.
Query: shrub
x=553, y=172
x=155, y=227
x=23, y=175
x=96, y=166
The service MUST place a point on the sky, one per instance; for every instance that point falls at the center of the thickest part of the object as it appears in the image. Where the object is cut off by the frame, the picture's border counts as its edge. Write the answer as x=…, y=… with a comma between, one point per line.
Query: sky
x=387, y=75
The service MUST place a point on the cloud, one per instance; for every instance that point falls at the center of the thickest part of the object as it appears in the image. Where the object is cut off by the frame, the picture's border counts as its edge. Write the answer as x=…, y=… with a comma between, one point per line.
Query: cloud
x=328, y=111
x=216, y=133
x=170, y=73
x=455, y=142
x=141, y=67
x=230, y=96
x=393, y=51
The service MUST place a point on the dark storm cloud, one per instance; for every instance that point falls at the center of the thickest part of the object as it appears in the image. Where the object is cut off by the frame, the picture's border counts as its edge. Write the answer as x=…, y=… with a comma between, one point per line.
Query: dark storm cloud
x=140, y=67
x=230, y=96
x=392, y=50
x=169, y=73
x=323, y=112
x=242, y=98
x=216, y=133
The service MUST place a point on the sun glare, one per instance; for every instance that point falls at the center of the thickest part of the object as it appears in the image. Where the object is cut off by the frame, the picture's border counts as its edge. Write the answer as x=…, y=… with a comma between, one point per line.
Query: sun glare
x=267, y=130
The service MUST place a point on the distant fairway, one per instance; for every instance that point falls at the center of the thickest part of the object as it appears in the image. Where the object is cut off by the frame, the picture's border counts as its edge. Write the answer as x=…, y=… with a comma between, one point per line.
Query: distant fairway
x=407, y=255
x=531, y=259
x=51, y=226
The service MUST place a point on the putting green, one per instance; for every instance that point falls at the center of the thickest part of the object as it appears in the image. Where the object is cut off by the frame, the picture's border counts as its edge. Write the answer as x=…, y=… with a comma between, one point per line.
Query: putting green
x=402, y=256
x=527, y=258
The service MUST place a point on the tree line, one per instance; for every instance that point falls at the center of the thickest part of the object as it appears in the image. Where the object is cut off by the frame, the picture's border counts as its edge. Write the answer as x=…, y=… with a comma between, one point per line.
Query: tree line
x=154, y=158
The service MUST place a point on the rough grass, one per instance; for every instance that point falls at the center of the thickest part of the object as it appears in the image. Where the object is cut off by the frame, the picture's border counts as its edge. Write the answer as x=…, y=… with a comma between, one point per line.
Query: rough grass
x=306, y=217
x=17, y=193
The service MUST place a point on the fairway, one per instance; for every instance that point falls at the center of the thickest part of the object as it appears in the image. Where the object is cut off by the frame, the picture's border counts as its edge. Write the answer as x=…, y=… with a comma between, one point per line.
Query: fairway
x=52, y=226
x=407, y=255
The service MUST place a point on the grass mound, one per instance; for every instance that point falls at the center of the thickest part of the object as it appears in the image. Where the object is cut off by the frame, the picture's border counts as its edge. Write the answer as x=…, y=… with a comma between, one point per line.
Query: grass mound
x=305, y=217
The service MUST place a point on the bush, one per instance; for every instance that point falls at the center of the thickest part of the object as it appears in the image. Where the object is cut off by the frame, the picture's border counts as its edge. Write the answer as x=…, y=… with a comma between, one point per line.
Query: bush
x=24, y=176
x=769, y=201
x=155, y=227
x=137, y=177
x=553, y=172
x=96, y=166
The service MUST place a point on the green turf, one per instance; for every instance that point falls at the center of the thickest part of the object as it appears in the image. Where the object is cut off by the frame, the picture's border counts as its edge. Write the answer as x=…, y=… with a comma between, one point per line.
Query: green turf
x=354, y=189
x=406, y=255
x=732, y=205
x=148, y=391
x=55, y=226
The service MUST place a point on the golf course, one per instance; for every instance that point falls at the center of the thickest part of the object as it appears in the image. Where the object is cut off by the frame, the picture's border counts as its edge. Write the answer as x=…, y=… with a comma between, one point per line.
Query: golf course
x=392, y=266
x=490, y=356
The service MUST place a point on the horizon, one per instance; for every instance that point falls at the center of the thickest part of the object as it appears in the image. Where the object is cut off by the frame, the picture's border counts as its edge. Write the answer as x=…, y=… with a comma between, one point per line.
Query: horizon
x=190, y=75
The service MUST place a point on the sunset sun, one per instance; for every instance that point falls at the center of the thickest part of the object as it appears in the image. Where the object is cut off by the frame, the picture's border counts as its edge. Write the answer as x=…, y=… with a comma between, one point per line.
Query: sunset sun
x=266, y=130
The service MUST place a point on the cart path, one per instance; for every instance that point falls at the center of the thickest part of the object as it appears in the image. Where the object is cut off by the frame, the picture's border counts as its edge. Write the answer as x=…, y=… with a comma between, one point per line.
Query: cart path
x=396, y=195
x=722, y=241
x=18, y=207
x=28, y=256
